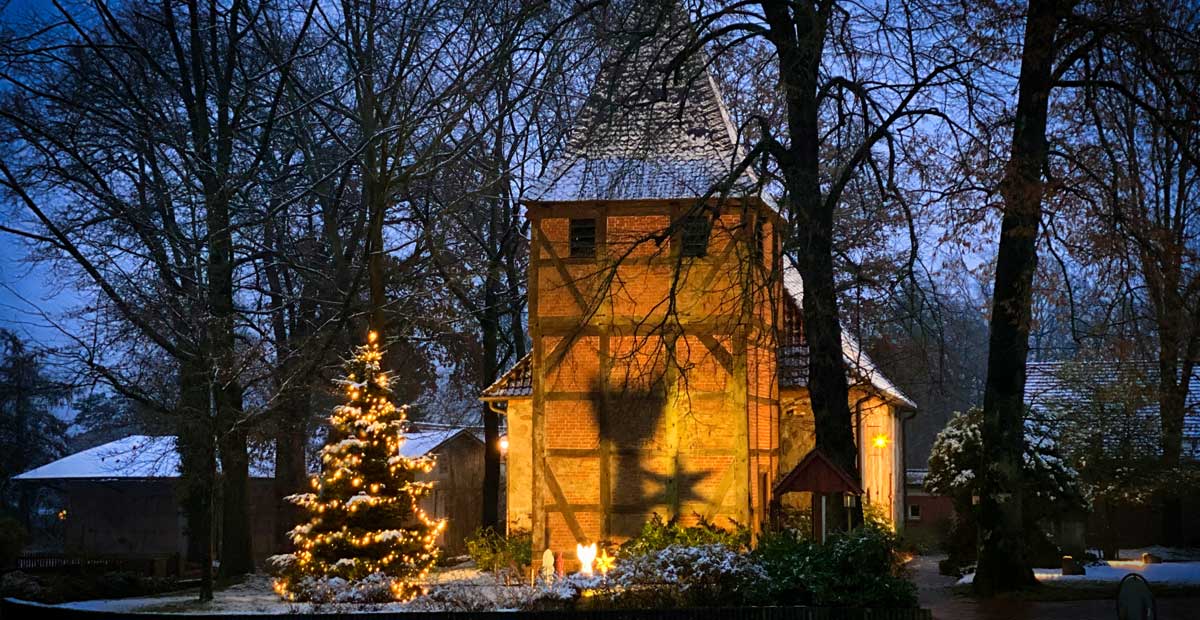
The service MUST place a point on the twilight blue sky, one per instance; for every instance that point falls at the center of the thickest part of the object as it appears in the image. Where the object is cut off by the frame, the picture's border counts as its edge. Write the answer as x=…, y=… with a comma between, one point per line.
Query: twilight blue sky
x=24, y=286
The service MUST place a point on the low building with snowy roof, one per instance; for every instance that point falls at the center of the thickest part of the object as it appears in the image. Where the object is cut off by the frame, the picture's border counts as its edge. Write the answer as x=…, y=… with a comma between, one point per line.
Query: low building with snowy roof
x=121, y=499
x=1111, y=410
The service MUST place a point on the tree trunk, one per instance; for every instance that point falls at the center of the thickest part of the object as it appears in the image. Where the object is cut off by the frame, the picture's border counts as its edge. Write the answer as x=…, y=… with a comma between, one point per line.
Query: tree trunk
x=1002, y=555
x=490, y=328
x=1172, y=404
x=798, y=33
x=226, y=396
x=236, y=545
x=292, y=407
x=375, y=197
x=197, y=464
x=291, y=473
x=828, y=388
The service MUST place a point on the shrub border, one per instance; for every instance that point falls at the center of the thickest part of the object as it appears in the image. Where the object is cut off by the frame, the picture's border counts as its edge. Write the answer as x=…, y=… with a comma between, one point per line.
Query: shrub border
x=13, y=608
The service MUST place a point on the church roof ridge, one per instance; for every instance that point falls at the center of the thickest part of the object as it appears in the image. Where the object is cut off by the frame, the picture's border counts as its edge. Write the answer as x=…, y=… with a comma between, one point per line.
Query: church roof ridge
x=654, y=126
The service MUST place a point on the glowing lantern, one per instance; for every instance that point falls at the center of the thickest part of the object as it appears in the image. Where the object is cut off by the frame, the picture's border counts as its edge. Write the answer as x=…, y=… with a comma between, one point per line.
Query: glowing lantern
x=503, y=444
x=587, y=557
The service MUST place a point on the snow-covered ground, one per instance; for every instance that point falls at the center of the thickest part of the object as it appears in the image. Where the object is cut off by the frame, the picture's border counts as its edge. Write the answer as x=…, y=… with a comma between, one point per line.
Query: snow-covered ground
x=1167, y=573
x=255, y=596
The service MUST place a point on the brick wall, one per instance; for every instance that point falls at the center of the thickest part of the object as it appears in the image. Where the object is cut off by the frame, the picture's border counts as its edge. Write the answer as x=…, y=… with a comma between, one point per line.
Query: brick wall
x=646, y=402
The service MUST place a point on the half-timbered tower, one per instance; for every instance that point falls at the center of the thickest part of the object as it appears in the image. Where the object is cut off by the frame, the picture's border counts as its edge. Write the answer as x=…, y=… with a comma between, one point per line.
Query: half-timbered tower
x=667, y=345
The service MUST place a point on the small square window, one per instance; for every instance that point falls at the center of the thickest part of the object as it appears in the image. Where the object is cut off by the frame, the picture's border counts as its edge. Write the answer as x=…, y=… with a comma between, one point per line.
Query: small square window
x=695, y=235
x=914, y=512
x=583, y=238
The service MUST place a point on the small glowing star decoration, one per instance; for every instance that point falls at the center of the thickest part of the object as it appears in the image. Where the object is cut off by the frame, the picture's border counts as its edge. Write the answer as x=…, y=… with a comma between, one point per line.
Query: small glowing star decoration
x=605, y=562
x=587, y=557
x=881, y=441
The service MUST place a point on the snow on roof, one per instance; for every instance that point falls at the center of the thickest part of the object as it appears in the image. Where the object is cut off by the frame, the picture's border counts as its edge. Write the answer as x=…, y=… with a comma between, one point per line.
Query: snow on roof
x=136, y=456
x=518, y=381
x=652, y=127
x=860, y=366
x=420, y=443
x=1123, y=396
x=915, y=477
x=145, y=456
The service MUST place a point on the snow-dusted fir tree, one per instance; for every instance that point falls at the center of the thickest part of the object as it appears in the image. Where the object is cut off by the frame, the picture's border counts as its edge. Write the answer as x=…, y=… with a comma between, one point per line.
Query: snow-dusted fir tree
x=366, y=538
x=957, y=461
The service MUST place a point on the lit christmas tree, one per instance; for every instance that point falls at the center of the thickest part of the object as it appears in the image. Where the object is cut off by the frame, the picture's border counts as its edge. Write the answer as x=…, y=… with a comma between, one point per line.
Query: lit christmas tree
x=364, y=523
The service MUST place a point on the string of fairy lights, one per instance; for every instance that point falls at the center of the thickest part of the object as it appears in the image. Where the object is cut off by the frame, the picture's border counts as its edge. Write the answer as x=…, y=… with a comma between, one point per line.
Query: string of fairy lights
x=363, y=514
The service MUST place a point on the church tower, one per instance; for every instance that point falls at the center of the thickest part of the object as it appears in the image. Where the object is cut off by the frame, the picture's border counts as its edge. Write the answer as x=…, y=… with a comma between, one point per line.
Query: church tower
x=654, y=265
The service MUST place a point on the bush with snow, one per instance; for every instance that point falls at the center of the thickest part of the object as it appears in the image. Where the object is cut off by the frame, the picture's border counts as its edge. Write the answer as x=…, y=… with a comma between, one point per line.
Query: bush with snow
x=957, y=459
x=372, y=589
x=1051, y=486
x=681, y=576
x=556, y=594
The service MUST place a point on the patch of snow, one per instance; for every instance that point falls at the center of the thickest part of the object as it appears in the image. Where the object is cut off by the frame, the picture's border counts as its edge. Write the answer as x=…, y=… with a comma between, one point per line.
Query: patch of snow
x=1170, y=573
x=358, y=498
x=255, y=596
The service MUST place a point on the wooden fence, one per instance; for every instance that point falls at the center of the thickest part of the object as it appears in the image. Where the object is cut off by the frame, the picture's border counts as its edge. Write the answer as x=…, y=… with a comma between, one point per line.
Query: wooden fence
x=158, y=565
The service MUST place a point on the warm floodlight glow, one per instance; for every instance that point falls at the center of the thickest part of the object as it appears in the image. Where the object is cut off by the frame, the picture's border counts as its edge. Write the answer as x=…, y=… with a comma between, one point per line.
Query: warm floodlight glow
x=587, y=557
x=881, y=441
x=503, y=444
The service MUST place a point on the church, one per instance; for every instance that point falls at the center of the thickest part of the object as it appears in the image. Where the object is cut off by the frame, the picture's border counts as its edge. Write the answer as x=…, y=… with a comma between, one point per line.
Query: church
x=668, y=367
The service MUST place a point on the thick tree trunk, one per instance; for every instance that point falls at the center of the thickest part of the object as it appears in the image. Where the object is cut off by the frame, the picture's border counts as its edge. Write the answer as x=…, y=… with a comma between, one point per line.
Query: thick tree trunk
x=1172, y=406
x=375, y=256
x=1172, y=403
x=236, y=545
x=292, y=407
x=197, y=464
x=828, y=388
x=798, y=34
x=490, y=328
x=226, y=396
x=1002, y=556
x=291, y=474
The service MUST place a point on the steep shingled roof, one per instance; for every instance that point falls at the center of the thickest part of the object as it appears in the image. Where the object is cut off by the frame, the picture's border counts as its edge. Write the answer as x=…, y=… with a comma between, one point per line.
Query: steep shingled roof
x=1122, y=396
x=793, y=349
x=653, y=127
x=517, y=382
